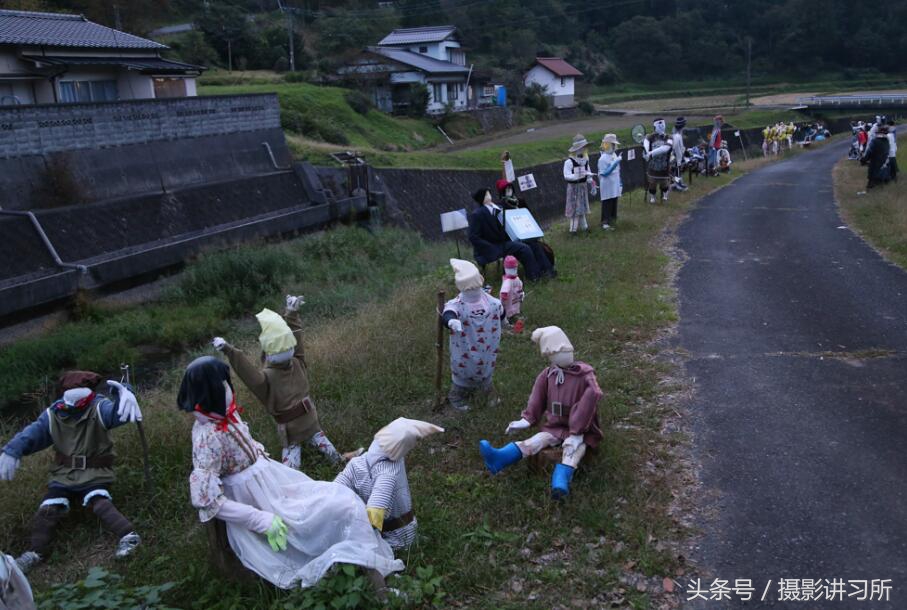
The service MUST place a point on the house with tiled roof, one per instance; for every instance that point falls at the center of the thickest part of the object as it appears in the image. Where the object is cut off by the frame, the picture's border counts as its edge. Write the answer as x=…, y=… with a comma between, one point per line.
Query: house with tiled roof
x=557, y=77
x=48, y=58
x=430, y=56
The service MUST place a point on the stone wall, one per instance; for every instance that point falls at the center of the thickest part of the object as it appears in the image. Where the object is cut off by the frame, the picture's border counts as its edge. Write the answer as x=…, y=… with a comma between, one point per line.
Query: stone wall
x=45, y=128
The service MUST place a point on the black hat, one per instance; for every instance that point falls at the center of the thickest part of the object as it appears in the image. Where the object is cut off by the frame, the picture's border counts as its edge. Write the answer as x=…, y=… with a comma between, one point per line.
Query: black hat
x=479, y=195
x=203, y=386
x=680, y=123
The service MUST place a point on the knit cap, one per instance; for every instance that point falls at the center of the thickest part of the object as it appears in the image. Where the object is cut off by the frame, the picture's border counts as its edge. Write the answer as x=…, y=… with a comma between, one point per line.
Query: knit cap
x=466, y=275
x=398, y=437
x=551, y=340
x=275, y=335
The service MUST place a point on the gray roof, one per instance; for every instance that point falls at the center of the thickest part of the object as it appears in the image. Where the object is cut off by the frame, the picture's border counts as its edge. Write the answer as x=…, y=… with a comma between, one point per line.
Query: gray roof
x=420, y=62
x=63, y=30
x=435, y=33
x=151, y=65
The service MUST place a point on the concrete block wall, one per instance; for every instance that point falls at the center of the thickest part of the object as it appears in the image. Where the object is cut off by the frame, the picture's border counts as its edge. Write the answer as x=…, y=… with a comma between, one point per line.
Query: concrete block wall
x=45, y=128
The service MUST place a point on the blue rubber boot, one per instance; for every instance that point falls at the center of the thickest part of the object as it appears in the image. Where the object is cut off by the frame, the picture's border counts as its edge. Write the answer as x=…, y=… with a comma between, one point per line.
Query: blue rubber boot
x=560, y=481
x=498, y=459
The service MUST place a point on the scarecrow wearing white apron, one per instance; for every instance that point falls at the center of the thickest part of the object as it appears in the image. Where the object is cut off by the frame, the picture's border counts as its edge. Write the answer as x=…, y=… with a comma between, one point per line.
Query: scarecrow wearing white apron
x=379, y=478
x=566, y=395
x=657, y=147
x=281, y=524
x=610, y=186
x=78, y=427
x=579, y=181
x=474, y=318
x=282, y=385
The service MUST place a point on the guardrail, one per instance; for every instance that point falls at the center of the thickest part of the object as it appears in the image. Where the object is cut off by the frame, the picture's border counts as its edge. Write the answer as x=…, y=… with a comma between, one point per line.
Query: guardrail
x=898, y=100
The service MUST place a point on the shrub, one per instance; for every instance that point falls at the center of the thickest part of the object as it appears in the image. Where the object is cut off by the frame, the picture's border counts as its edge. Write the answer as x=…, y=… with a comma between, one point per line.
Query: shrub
x=358, y=101
x=237, y=278
x=101, y=589
x=586, y=107
x=329, y=132
x=536, y=97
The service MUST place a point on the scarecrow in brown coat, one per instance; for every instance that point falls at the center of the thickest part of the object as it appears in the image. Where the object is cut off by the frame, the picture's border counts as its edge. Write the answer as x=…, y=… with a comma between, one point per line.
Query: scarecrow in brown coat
x=282, y=385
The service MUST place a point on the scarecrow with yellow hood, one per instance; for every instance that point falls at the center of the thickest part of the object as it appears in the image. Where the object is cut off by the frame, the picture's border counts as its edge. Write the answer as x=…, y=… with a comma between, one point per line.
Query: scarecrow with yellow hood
x=282, y=384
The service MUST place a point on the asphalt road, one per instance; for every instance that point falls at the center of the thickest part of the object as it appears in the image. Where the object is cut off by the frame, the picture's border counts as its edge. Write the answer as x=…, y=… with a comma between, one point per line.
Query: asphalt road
x=797, y=336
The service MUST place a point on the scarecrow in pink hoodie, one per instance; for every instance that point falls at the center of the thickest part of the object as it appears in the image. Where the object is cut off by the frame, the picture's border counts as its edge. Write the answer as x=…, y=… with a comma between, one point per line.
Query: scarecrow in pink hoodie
x=564, y=401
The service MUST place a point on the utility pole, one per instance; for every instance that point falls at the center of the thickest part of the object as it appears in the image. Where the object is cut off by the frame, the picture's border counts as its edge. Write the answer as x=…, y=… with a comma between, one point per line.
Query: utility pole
x=749, y=67
x=117, y=22
x=288, y=13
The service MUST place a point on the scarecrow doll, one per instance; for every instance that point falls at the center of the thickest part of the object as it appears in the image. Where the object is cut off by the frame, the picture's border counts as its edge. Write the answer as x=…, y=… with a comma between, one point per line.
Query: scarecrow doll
x=579, y=181
x=379, y=478
x=610, y=186
x=474, y=318
x=657, y=148
x=566, y=395
x=77, y=426
x=282, y=384
x=281, y=524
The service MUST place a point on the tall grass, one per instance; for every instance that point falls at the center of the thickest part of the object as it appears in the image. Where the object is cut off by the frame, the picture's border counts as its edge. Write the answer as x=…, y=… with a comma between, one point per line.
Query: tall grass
x=370, y=321
x=337, y=270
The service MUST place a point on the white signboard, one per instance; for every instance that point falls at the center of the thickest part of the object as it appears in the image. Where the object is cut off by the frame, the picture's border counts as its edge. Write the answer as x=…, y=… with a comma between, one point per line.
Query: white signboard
x=454, y=221
x=527, y=182
x=631, y=154
x=509, y=174
x=520, y=224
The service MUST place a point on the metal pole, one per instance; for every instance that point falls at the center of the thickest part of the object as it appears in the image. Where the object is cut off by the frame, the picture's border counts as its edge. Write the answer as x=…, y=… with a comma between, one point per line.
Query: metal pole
x=292, y=42
x=146, y=463
x=439, y=366
x=749, y=66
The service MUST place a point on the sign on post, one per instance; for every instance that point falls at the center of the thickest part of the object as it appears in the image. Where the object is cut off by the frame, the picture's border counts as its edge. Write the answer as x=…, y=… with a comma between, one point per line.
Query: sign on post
x=454, y=221
x=527, y=182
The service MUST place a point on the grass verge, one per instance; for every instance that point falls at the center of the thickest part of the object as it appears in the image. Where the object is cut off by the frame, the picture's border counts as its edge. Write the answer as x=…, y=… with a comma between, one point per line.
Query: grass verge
x=879, y=215
x=496, y=542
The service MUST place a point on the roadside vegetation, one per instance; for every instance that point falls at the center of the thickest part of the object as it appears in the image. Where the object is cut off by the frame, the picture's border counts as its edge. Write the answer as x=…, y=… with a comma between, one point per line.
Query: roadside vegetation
x=486, y=542
x=880, y=214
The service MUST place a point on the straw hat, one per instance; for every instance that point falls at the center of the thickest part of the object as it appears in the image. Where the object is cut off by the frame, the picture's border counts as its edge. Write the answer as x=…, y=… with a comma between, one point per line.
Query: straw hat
x=610, y=138
x=579, y=143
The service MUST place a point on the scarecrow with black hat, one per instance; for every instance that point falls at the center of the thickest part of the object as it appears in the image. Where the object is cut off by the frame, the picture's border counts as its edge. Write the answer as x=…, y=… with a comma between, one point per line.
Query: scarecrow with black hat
x=657, y=149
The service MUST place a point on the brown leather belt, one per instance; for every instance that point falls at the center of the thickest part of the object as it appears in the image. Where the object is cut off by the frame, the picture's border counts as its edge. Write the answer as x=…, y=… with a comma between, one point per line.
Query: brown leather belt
x=294, y=412
x=81, y=462
x=398, y=522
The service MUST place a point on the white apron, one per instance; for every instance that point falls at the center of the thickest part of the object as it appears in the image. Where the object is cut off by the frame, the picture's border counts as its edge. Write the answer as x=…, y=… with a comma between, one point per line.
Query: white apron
x=327, y=524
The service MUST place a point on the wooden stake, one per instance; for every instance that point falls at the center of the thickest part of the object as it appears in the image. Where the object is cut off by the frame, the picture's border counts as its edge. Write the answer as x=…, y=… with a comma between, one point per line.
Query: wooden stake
x=439, y=345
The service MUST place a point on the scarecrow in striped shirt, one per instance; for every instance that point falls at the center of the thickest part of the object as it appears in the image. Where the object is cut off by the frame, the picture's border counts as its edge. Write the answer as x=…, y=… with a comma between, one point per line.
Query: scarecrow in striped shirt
x=379, y=478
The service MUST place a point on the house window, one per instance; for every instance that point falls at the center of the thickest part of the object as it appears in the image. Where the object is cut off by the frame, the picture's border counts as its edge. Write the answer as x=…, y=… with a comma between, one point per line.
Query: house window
x=436, y=93
x=423, y=49
x=488, y=91
x=169, y=87
x=453, y=92
x=88, y=91
x=563, y=82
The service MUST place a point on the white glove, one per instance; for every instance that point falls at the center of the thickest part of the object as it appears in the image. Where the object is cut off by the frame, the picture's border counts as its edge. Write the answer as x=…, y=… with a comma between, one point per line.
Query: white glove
x=513, y=426
x=128, y=408
x=219, y=343
x=294, y=303
x=455, y=325
x=8, y=467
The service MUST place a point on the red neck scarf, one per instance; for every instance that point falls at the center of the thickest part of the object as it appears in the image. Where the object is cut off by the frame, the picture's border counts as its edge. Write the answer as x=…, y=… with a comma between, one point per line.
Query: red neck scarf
x=222, y=420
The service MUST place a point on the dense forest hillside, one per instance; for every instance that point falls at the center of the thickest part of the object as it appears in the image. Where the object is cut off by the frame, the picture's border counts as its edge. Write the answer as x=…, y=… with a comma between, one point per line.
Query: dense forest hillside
x=611, y=41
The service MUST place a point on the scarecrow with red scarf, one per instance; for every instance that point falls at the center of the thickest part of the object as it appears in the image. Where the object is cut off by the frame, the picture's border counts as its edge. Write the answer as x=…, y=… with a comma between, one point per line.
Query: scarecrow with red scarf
x=77, y=426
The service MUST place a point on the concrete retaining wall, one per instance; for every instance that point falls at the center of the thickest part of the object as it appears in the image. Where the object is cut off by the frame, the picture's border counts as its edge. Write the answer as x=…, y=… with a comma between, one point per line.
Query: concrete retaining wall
x=416, y=198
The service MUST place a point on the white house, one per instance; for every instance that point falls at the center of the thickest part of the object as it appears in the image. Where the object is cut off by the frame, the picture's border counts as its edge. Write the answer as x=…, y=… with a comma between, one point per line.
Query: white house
x=556, y=76
x=48, y=58
x=431, y=56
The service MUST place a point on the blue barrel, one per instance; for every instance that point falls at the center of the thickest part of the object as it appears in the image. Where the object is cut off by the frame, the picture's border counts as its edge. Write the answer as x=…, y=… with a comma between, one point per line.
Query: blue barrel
x=502, y=96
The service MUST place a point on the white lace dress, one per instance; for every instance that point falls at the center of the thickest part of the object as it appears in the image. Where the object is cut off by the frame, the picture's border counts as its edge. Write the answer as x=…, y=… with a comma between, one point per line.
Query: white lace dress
x=327, y=522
